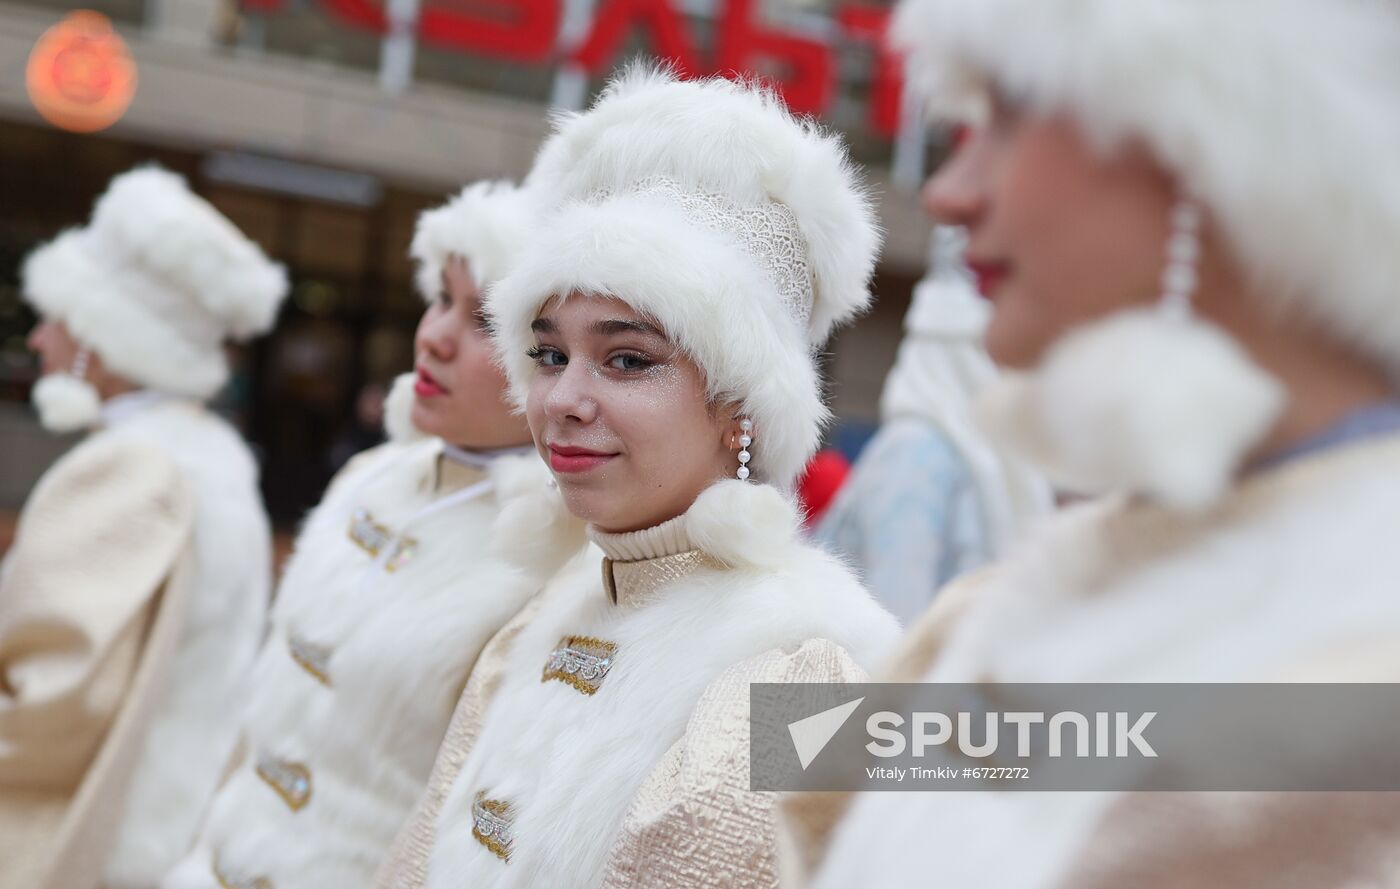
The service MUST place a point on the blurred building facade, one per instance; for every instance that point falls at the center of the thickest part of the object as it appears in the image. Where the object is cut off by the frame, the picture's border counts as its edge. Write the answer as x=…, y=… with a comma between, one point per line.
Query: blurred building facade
x=322, y=128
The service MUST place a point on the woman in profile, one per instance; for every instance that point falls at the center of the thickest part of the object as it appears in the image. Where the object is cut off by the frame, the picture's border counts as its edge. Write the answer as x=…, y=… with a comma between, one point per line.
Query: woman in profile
x=1197, y=303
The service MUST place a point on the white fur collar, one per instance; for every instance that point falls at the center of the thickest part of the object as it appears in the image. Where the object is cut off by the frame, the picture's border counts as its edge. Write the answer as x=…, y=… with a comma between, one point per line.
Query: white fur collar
x=1132, y=591
x=743, y=524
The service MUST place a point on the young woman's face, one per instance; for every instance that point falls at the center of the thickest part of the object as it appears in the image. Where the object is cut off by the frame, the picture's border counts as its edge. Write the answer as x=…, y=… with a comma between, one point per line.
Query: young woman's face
x=621, y=415
x=54, y=345
x=57, y=349
x=1058, y=234
x=460, y=393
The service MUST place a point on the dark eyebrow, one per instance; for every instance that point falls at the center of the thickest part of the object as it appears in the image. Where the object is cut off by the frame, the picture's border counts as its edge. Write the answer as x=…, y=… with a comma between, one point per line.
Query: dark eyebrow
x=617, y=326
x=543, y=325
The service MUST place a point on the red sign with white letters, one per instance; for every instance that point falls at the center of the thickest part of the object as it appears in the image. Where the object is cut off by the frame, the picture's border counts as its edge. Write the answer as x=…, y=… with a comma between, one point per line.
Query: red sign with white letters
x=524, y=30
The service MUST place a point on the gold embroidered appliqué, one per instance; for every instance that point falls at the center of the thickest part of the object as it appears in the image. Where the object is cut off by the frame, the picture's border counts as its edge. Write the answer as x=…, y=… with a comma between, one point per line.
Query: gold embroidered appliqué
x=491, y=825
x=580, y=661
x=314, y=659
x=229, y=881
x=291, y=780
x=375, y=538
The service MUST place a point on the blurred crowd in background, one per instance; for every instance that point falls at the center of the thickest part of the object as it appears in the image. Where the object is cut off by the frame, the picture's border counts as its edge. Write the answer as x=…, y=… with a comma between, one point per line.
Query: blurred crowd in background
x=322, y=132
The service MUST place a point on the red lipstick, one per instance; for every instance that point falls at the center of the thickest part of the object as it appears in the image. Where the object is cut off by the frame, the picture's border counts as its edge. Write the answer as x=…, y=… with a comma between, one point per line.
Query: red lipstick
x=427, y=387
x=571, y=459
x=990, y=276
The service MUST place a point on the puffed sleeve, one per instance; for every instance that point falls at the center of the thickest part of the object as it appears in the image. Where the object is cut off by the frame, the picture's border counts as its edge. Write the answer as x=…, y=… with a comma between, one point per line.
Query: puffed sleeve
x=695, y=824
x=99, y=536
x=807, y=820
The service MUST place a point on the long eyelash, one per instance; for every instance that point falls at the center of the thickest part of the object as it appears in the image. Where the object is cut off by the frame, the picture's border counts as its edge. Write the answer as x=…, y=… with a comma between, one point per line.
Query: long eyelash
x=643, y=361
x=539, y=353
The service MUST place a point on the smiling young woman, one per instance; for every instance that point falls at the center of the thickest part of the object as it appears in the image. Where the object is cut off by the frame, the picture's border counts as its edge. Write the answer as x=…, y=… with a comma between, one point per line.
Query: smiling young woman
x=699, y=244
x=613, y=406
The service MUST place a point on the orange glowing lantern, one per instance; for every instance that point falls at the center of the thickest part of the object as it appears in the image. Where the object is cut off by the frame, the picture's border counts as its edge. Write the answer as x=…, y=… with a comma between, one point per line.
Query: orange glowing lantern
x=81, y=77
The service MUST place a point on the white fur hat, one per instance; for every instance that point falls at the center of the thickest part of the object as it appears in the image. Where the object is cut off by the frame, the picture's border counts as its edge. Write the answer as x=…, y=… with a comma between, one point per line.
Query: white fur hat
x=155, y=283
x=1280, y=116
x=485, y=224
x=707, y=206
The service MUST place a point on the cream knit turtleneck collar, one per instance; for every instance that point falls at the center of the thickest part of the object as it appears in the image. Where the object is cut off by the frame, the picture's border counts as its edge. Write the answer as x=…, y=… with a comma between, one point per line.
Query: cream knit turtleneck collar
x=666, y=539
x=640, y=563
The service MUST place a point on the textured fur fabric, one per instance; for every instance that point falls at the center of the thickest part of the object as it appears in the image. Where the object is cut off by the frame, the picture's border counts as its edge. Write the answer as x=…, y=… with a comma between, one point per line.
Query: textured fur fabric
x=1215, y=90
x=486, y=224
x=1137, y=402
x=573, y=764
x=709, y=295
x=65, y=403
x=1294, y=565
x=398, y=410
x=401, y=648
x=195, y=726
x=155, y=283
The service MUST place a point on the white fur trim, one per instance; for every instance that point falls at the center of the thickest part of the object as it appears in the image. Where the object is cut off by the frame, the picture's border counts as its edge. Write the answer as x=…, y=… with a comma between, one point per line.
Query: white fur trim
x=398, y=410
x=744, y=524
x=727, y=138
x=1214, y=89
x=1108, y=593
x=534, y=529
x=66, y=279
x=1138, y=402
x=156, y=283
x=194, y=730
x=65, y=403
x=573, y=764
x=401, y=651
x=709, y=295
x=699, y=291
x=485, y=224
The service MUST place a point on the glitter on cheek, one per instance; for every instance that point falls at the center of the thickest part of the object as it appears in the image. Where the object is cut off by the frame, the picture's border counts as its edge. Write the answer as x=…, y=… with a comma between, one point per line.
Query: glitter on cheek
x=645, y=407
x=663, y=416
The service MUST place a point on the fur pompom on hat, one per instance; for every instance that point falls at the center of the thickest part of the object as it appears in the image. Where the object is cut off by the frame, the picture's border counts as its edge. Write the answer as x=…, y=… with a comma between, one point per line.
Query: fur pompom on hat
x=705, y=205
x=65, y=403
x=155, y=284
x=1181, y=447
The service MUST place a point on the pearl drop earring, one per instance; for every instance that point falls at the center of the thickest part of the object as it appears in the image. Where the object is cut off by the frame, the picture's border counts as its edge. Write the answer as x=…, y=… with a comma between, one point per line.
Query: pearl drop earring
x=745, y=439
x=1179, y=276
x=80, y=364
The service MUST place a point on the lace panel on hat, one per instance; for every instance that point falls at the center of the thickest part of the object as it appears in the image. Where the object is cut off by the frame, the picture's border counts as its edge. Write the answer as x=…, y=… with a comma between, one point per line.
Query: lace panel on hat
x=767, y=231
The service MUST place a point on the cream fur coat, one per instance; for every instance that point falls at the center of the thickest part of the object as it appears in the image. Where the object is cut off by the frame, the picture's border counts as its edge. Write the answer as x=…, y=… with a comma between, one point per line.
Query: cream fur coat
x=131, y=607
x=645, y=782
x=354, y=689
x=1291, y=578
